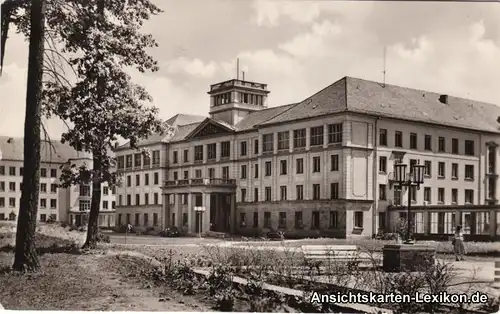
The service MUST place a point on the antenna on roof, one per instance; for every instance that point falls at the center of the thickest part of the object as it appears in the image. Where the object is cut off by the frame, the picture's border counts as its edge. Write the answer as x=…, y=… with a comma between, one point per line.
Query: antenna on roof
x=385, y=63
x=237, y=68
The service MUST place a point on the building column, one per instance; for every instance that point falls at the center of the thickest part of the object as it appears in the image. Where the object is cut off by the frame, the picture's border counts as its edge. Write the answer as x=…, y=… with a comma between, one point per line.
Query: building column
x=493, y=223
x=426, y=222
x=165, y=220
x=190, y=212
x=233, y=218
x=206, y=214
x=458, y=219
x=178, y=212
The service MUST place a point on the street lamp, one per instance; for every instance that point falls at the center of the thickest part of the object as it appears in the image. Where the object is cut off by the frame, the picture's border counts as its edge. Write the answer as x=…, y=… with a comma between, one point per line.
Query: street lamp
x=414, y=178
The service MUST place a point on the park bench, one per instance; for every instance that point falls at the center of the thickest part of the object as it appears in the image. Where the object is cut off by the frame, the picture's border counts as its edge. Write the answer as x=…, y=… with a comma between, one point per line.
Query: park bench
x=319, y=255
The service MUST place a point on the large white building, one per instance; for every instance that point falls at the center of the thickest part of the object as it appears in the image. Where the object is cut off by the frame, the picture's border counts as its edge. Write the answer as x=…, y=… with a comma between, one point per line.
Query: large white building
x=324, y=165
x=70, y=205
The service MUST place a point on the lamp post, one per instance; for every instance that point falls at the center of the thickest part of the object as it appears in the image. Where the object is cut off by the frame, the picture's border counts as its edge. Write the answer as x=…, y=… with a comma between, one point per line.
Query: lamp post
x=414, y=178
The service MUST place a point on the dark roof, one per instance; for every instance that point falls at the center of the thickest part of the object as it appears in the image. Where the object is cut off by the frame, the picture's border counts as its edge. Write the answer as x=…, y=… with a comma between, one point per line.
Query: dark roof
x=257, y=117
x=368, y=97
x=176, y=121
x=12, y=148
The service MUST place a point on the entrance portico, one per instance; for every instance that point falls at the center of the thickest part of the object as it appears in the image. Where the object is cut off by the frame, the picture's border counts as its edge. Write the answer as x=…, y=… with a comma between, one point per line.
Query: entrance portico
x=215, y=196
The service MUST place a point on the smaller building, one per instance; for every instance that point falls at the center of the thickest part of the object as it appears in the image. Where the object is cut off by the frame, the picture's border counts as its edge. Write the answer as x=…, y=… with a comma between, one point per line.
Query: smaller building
x=70, y=205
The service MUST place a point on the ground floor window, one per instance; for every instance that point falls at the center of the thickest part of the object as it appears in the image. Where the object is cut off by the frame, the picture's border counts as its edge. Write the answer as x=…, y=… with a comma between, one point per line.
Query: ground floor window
x=146, y=219
x=298, y=220
x=282, y=220
x=381, y=221
x=128, y=219
x=2, y=216
x=418, y=222
x=442, y=222
x=184, y=219
x=358, y=219
x=173, y=220
x=119, y=219
x=256, y=220
x=155, y=219
x=267, y=219
x=333, y=221
x=242, y=220
x=43, y=217
x=482, y=222
x=137, y=222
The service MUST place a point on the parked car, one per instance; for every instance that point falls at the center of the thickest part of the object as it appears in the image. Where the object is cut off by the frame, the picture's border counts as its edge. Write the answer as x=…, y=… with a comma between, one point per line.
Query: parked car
x=170, y=232
x=275, y=235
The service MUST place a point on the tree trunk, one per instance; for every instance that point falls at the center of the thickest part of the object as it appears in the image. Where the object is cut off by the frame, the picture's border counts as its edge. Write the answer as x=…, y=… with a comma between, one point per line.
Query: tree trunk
x=26, y=258
x=93, y=226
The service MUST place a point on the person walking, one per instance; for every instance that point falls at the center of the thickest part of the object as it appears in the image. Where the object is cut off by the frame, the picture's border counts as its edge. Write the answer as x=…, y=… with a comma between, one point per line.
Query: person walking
x=458, y=244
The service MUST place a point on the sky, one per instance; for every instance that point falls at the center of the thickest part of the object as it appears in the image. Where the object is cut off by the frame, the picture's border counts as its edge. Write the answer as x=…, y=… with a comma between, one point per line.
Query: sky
x=298, y=48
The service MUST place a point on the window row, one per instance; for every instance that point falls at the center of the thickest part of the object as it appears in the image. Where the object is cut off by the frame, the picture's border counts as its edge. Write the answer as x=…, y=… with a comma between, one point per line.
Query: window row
x=428, y=170
x=468, y=145
x=13, y=172
x=145, y=200
x=156, y=179
x=138, y=159
x=316, y=137
x=198, y=174
x=84, y=205
x=283, y=193
x=43, y=202
x=441, y=194
x=137, y=222
x=198, y=154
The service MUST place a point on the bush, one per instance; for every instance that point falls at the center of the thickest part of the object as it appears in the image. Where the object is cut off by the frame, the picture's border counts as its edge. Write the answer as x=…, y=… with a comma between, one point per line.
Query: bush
x=103, y=238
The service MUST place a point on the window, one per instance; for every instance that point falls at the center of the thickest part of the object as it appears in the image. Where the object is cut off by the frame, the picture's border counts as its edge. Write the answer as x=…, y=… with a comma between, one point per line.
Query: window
x=454, y=196
x=382, y=164
x=283, y=167
x=315, y=223
x=299, y=191
x=428, y=168
x=469, y=172
x=381, y=192
x=454, y=145
x=137, y=160
x=256, y=171
x=137, y=180
x=441, y=169
x=43, y=172
x=225, y=149
x=129, y=200
x=283, y=193
x=197, y=173
x=155, y=198
x=2, y=186
x=128, y=161
x=243, y=148
x=2, y=170
x=176, y=175
x=413, y=162
x=146, y=219
x=12, y=186
x=397, y=196
x=255, y=219
x=84, y=205
x=267, y=219
x=382, y=137
x=105, y=204
x=243, y=171
x=186, y=155
x=243, y=195
x=316, y=164
x=334, y=162
x=156, y=178
x=105, y=190
x=298, y=220
x=358, y=219
x=175, y=157
x=267, y=142
x=398, y=139
x=225, y=172
x=53, y=188
x=299, y=165
x=43, y=203
x=333, y=220
x=242, y=220
x=129, y=181
x=440, y=195
x=256, y=194
x=53, y=173
x=442, y=144
x=469, y=148
x=282, y=220
x=137, y=222
x=316, y=191
x=155, y=219
x=156, y=157
x=316, y=137
x=43, y=217
x=427, y=194
x=128, y=219
x=146, y=160
x=186, y=175
x=283, y=140
x=146, y=199
x=212, y=151
x=413, y=141
x=84, y=190
x=2, y=202
x=454, y=171
x=428, y=142
x=113, y=205
x=334, y=191
x=492, y=159
x=299, y=138
x=268, y=194
x=413, y=191
x=268, y=168
x=21, y=171
x=469, y=196
x=335, y=133
x=137, y=199
x=198, y=153
x=256, y=147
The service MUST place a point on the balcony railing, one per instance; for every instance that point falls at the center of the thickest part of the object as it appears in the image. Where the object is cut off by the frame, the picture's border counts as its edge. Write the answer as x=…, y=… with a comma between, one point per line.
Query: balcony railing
x=199, y=182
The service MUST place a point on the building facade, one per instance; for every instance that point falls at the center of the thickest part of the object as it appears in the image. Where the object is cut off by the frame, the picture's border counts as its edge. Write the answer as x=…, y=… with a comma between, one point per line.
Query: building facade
x=324, y=166
x=70, y=205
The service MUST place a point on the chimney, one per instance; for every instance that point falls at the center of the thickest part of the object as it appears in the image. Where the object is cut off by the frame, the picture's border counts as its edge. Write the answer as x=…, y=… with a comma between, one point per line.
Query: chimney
x=443, y=99
x=10, y=140
x=116, y=144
